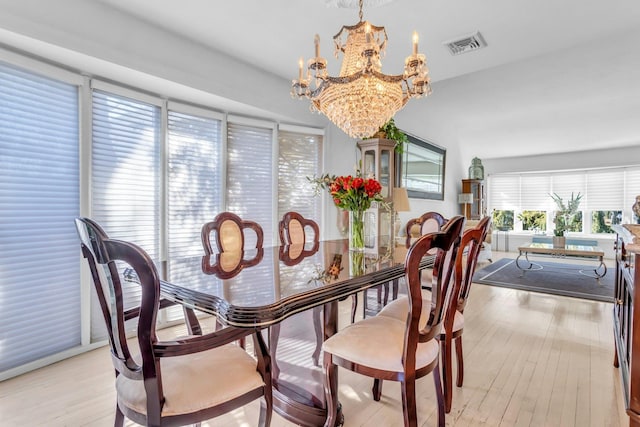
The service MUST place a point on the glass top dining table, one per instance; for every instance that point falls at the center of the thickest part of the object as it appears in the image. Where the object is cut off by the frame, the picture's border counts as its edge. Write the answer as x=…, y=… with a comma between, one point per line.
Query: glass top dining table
x=293, y=291
x=261, y=287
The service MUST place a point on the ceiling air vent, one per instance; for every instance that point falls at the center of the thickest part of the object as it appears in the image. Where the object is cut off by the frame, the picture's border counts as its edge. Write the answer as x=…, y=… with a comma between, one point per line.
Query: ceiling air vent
x=466, y=44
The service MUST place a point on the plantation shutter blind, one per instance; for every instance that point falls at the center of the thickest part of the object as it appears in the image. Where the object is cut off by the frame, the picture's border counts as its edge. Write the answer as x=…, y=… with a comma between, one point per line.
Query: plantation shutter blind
x=299, y=157
x=194, y=187
x=250, y=174
x=125, y=180
x=39, y=193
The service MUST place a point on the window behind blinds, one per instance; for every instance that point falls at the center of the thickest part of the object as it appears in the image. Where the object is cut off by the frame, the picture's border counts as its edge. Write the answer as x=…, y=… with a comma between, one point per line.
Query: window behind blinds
x=194, y=190
x=534, y=192
x=564, y=184
x=299, y=157
x=39, y=194
x=504, y=192
x=631, y=187
x=611, y=189
x=125, y=179
x=250, y=191
x=605, y=190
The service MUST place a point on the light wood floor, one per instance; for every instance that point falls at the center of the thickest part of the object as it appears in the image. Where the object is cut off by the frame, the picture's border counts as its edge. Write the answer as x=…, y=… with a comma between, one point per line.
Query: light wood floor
x=531, y=360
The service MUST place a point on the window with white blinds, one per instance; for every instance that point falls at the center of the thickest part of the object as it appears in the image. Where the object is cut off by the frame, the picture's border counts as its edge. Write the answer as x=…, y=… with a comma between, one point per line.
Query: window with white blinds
x=299, y=157
x=612, y=189
x=534, y=192
x=125, y=179
x=564, y=184
x=194, y=185
x=504, y=192
x=250, y=176
x=156, y=172
x=39, y=194
x=605, y=190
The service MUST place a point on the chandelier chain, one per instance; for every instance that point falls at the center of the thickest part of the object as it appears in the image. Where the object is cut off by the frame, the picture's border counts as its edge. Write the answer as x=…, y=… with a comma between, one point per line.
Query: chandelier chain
x=360, y=13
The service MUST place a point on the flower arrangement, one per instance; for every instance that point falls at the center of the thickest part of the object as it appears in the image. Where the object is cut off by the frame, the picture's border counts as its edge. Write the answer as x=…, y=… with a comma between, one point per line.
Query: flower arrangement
x=354, y=194
x=351, y=193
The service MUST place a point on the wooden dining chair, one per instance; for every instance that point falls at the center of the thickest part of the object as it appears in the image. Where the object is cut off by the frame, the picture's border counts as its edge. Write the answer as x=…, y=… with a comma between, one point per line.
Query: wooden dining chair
x=176, y=382
x=428, y=222
x=292, y=229
x=293, y=238
x=229, y=231
x=465, y=266
x=386, y=348
x=466, y=262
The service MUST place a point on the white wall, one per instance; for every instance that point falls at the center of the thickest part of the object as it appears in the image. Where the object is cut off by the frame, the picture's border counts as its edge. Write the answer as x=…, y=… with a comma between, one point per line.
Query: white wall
x=606, y=157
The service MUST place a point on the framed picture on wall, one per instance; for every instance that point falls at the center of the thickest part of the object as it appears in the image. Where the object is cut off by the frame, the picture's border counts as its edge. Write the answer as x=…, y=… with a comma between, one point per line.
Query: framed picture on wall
x=422, y=169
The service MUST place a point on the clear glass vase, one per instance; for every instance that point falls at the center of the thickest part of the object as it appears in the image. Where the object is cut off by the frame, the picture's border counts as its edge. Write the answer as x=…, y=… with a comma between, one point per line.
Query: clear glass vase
x=356, y=230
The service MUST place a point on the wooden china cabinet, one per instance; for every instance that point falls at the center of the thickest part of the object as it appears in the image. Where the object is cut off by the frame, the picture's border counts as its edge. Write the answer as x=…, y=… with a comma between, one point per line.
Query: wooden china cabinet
x=378, y=161
x=477, y=209
x=626, y=318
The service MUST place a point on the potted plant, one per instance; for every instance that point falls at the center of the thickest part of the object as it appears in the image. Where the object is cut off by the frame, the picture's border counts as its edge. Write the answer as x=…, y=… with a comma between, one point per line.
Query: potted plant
x=390, y=131
x=564, y=217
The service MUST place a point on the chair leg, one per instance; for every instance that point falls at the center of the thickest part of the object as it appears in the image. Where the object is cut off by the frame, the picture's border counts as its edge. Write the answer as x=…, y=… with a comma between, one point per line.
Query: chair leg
x=409, y=410
x=274, y=335
x=266, y=411
x=460, y=361
x=439, y=396
x=447, y=372
x=354, y=306
x=193, y=325
x=377, y=389
x=317, y=328
x=119, y=421
x=331, y=390
x=394, y=294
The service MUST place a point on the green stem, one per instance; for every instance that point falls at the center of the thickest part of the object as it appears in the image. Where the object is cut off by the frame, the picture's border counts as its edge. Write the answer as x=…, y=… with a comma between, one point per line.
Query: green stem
x=356, y=233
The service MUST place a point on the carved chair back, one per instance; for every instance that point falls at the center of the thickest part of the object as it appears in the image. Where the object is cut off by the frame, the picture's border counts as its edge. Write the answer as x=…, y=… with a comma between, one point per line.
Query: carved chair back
x=293, y=229
x=426, y=223
x=445, y=245
x=470, y=246
x=229, y=231
x=107, y=260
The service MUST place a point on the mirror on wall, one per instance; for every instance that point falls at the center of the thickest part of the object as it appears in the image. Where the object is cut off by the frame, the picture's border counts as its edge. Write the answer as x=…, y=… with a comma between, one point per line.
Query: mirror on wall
x=421, y=171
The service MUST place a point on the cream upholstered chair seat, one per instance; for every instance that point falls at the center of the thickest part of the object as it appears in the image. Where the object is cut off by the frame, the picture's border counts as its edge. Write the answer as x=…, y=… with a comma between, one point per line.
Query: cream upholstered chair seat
x=354, y=343
x=195, y=382
x=399, y=309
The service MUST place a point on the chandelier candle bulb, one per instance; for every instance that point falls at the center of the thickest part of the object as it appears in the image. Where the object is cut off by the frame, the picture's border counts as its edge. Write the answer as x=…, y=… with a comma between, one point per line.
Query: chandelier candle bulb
x=300, y=65
x=316, y=41
x=415, y=43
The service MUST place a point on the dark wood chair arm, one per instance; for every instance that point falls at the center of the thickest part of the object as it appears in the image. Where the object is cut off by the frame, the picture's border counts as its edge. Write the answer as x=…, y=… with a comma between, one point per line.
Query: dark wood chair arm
x=196, y=344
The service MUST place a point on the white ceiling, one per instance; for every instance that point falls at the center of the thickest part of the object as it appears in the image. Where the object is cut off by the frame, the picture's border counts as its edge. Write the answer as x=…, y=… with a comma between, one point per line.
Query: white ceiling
x=557, y=75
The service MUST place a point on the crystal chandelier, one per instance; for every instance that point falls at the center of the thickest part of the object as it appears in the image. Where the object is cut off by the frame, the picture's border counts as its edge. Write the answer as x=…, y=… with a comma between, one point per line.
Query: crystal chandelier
x=361, y=99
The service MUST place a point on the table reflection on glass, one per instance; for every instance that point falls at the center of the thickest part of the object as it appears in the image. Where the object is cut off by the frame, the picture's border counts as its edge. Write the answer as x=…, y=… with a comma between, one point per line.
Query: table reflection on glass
x=294, y=290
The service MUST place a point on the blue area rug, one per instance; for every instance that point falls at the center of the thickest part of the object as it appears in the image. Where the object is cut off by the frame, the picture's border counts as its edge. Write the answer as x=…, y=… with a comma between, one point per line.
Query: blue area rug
x=554, y=278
